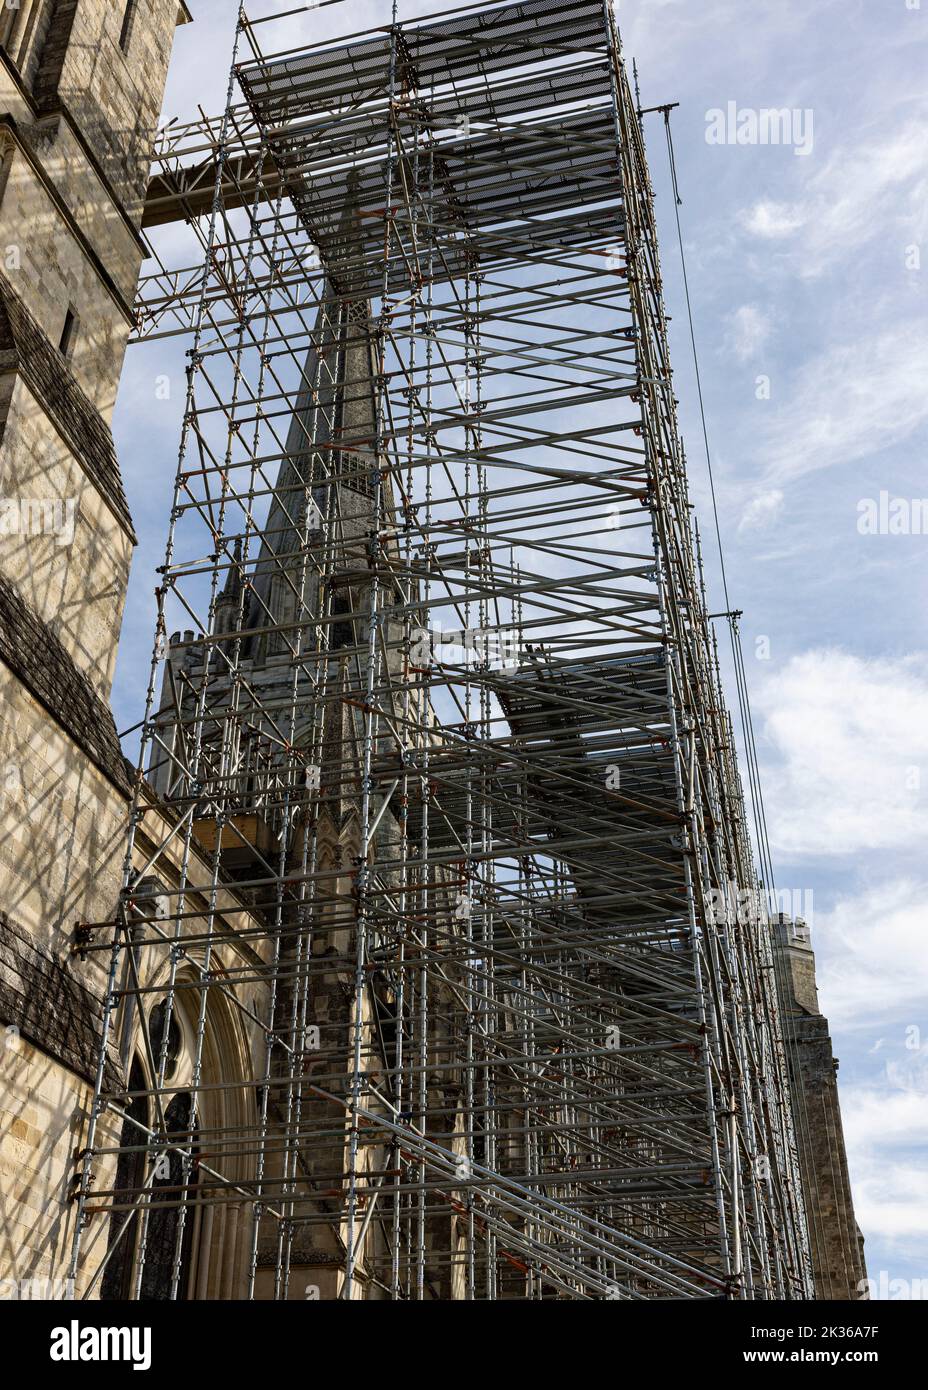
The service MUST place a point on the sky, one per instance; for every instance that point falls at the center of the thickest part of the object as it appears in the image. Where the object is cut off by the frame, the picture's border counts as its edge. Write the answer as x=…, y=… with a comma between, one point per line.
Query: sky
x=807, y=261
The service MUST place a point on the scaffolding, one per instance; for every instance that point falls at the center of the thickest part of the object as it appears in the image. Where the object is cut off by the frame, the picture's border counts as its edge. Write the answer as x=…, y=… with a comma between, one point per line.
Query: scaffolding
x=441, y=968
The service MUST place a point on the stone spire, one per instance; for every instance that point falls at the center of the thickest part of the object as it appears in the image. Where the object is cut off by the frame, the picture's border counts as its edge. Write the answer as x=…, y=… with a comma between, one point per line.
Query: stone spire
x=227, y=605
x=326, y=473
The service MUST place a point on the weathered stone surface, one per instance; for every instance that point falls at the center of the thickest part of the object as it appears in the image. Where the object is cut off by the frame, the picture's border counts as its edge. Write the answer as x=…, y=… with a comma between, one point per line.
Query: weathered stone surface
x=113, y=95
x=52, y=53
x=24, y=348
x=36, y=655
x=40, y=997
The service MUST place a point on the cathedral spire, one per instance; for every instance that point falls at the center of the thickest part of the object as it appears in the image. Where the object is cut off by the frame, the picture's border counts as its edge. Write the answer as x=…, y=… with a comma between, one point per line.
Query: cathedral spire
x=325, y=477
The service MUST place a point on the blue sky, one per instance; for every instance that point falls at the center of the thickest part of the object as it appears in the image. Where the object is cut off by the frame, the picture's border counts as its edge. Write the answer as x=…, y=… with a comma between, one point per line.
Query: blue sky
x=807, y=273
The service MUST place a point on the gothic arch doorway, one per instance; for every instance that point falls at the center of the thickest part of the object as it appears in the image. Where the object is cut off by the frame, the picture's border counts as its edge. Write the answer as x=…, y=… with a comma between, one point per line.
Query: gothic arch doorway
x=186, y=1246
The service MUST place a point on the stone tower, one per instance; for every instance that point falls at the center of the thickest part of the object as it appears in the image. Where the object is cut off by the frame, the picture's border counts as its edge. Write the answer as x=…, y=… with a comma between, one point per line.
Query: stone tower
x=82, y=85
x=835, y=1239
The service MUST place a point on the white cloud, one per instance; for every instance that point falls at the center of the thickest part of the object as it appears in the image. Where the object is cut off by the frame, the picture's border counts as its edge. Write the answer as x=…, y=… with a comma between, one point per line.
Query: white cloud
x=889, y=1200
x=886, y=1133
x=870, y=1116
x=861, y=191
x=874, y=967
x=771, y=220
x=748, y=331
x=850, y=744
x=865, y=189
x=761, y=511
x=848, y=734
x=852, y=401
